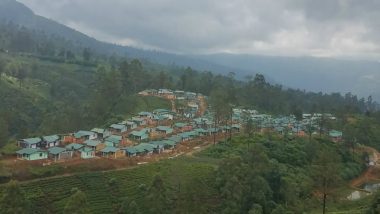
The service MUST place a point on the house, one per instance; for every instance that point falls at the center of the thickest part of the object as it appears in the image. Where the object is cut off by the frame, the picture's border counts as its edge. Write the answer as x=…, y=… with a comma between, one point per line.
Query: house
x=148, y=92
x=164, y=129
x=101, y=133
x=131, y=125
x=163, y=144
x=144, y=148
x=190, y=95
x=159, y=146
x=30, y=143
x=113, y=141
x=161, y=111
x=335, y=136
x=130, y=151
x=81, y=136
x=112, y=152
x=50, y=141
x=32, y=154
x=236, y=128
x=183, y=127
x=168, y=94
x=164, y=113
x=146, y=115
x=185, y=136
x=59, y=153
x=139, y=135
x=202, y=132
x=214, y=130
x=87, y=153
x=118, y=128
x=139, y=121
x=74, y=147
x=94, y=144
x=226, y=128
x=176, y=139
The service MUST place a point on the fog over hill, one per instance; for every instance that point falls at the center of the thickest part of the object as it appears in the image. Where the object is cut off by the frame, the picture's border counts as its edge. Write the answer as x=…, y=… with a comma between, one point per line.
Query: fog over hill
x=360, y=77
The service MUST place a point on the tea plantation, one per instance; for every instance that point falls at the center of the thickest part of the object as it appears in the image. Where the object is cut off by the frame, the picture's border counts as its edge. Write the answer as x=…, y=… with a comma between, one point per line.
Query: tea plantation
x=188, y=183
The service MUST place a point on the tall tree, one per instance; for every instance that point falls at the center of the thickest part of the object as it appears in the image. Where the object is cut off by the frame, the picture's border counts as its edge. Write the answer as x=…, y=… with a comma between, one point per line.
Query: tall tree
x=326, y=179
x=2, y=67
x=4, y=131
x=77, y=203
x=13, y=200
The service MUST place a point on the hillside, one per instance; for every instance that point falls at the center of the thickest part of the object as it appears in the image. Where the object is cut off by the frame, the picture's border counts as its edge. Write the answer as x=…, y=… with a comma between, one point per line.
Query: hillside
x=306, y=73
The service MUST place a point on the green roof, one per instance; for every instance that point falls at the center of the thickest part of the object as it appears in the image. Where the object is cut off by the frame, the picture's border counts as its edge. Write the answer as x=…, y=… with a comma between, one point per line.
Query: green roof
x=142, y=147
x=92, y=142
x=236, y=126
x=117, y=126
x=157, y=143
x=175, y=138
x=81, y=134
x=335, y=133
x=130, y=150
x=110, y=149
x=56, y=150
x=136, y=119
x=139, y=133
x=98, y=130
x=87, y=149
x=164, y=128
x=32, y=140
x=180, y=125
x=74, y=146
x=29, y=151
x=169, y=142
x=51, y=138
x=114, y=138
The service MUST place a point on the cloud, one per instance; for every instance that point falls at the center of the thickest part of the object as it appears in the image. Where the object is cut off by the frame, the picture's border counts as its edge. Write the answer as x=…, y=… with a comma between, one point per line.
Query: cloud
x=332, y=28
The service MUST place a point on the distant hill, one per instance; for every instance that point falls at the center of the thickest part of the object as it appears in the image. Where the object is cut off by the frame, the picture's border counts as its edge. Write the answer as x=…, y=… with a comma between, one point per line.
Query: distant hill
x=311, y=74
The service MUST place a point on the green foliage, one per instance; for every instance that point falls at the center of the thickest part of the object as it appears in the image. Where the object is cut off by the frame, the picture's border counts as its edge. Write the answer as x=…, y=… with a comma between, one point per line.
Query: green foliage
x=45, y=171
x=13, y=200
x=183, y=180
x=157, y=197
x=77, y=204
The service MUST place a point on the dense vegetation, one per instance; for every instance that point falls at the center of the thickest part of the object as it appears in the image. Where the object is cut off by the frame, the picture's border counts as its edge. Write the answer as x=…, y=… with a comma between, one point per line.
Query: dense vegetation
x=263, y=174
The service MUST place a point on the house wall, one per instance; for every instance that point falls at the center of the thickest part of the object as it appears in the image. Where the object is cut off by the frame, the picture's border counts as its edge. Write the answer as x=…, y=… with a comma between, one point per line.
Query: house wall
x=86, y=155
x=100, y=146
x=120, y=154
x=38, y=156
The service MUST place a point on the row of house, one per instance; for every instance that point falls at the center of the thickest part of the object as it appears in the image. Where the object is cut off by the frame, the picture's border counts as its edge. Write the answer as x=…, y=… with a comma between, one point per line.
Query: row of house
x=170, y=94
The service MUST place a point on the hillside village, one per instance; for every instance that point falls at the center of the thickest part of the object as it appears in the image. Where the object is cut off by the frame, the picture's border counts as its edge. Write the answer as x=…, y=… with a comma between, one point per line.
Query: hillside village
x=162, y=130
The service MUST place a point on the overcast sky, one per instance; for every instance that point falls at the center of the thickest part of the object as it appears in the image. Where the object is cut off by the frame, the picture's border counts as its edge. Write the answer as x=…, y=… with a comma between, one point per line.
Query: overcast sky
x=338, y=28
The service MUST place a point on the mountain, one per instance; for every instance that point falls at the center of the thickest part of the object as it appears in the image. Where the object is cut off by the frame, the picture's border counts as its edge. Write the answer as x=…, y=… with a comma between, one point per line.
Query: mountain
x=315, y=74
x=308, y=73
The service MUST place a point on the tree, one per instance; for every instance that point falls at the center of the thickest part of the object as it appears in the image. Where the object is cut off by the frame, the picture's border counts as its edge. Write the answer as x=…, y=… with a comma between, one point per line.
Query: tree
x=21, y=75
x=220, y=106
x=86, y=54
x=77, y=203
x=13, y=200
x=157, y=196
x=326, y=167
x=4, y=131
x=2, y=67
x=128, y=207
x=256, y=209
